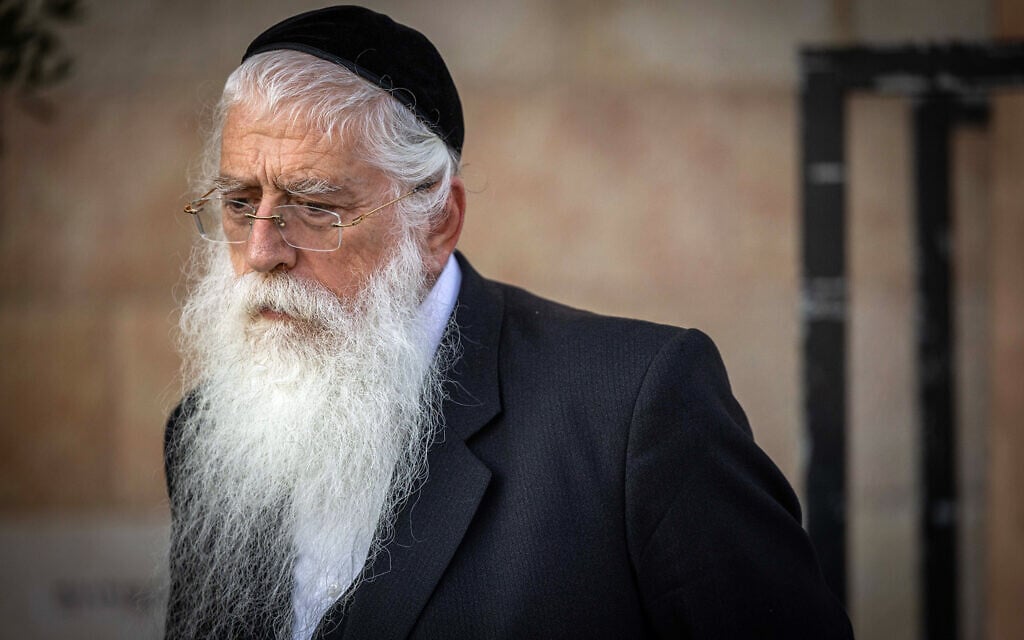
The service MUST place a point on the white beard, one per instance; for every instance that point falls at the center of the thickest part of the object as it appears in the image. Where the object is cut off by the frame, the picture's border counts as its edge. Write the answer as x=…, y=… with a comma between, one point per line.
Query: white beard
x=315, y=427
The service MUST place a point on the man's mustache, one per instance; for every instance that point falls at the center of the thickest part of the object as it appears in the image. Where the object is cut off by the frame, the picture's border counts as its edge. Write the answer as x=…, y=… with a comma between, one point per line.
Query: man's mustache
x=283, y=293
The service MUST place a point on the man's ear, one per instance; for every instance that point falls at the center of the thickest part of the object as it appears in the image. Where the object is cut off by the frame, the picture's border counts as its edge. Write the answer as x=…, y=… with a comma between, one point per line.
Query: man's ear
x=444, y=233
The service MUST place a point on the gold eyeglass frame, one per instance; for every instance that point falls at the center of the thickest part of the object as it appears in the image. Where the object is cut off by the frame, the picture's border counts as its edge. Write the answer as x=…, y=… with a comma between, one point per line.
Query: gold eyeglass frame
x=195, y=206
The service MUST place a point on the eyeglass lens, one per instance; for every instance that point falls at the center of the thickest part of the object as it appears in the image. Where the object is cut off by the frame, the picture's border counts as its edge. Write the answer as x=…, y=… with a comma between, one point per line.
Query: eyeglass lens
x=223, y=220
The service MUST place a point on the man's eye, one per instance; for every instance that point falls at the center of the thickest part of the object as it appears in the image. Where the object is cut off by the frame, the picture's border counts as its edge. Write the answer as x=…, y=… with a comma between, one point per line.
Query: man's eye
x=315, y=215
x=237, y=207
x=314, y=206
x=308, y=216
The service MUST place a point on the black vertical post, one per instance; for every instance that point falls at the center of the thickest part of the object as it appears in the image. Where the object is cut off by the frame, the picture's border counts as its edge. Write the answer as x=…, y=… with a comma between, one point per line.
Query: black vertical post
x=824, y=313
x=938, y=78
x=933, y=116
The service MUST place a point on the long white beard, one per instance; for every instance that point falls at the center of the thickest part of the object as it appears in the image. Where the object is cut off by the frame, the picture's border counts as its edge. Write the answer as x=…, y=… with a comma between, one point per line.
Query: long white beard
x=318, y=425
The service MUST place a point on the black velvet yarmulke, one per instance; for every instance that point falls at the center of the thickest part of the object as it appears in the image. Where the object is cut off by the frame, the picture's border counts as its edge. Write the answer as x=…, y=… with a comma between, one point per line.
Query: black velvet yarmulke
x=395, y=57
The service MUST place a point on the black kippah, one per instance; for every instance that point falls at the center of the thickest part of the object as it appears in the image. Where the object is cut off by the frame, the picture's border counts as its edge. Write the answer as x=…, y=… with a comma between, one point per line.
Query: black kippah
x=396, y=58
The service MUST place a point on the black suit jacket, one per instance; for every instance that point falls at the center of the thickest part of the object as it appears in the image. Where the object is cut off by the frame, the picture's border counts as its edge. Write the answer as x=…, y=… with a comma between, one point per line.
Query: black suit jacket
x=595, y=479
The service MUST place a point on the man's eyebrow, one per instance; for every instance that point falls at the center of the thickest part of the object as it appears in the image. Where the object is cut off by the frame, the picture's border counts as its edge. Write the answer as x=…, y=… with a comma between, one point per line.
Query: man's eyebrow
x=227, y=183
x=298, y=187
x=309, y=186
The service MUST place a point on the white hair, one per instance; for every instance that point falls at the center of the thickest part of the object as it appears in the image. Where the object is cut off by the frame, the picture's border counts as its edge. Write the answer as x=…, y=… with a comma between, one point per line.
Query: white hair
x=328, y=98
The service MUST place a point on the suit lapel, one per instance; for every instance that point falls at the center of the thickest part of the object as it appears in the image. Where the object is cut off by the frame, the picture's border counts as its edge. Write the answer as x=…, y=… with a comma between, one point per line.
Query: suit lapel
x=433, y=522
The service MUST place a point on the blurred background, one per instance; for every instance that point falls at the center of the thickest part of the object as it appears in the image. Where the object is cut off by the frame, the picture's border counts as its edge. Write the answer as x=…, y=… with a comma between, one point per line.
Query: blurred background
x=634, y=158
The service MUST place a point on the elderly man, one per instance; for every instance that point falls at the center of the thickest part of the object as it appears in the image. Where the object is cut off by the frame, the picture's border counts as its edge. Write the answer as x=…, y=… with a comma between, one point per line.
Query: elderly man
x=377, y=442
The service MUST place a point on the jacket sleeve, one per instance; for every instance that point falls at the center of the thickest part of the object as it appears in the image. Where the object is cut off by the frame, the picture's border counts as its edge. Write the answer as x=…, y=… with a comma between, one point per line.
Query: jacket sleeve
x=713, y=527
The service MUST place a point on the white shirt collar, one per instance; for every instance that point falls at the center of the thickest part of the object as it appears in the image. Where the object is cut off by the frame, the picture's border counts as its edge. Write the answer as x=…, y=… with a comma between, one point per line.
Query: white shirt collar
x=437, y=307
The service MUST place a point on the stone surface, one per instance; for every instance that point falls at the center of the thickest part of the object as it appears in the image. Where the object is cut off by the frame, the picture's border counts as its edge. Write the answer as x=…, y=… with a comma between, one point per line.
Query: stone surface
x=1006, y=476
x=632, y=158
x=56, y=440
x=972, y=149
x=1008, y=18
x=83, y=577
x=885, y=21
x=883, y=431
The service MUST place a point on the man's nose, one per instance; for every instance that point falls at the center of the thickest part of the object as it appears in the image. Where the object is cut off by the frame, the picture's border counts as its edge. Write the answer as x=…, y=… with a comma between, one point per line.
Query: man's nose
x=266, y=249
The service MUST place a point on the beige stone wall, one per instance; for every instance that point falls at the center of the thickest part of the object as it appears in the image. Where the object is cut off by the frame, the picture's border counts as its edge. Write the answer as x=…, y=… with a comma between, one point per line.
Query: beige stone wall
x=883, y=430
x=633, y=158
x=1005, y=562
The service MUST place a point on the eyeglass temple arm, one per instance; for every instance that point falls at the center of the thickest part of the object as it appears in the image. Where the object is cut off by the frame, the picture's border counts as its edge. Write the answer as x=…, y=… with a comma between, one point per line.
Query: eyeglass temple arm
x=193, y=207
x=358, y=219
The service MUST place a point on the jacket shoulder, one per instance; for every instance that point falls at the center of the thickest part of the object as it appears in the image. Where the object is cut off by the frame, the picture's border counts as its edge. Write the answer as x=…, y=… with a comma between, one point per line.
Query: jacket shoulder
x=529, y=317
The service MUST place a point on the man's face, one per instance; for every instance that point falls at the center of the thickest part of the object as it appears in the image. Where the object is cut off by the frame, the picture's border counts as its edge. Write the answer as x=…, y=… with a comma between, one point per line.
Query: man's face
x=267, y=158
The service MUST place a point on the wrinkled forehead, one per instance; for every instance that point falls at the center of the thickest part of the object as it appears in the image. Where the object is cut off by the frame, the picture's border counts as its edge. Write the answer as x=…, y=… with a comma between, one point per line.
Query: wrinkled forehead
x=246, y=122
x=291, y=155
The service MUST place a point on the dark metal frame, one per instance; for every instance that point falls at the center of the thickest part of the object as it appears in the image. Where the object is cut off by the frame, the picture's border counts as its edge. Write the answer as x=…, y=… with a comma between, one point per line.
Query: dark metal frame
x=948, y=84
